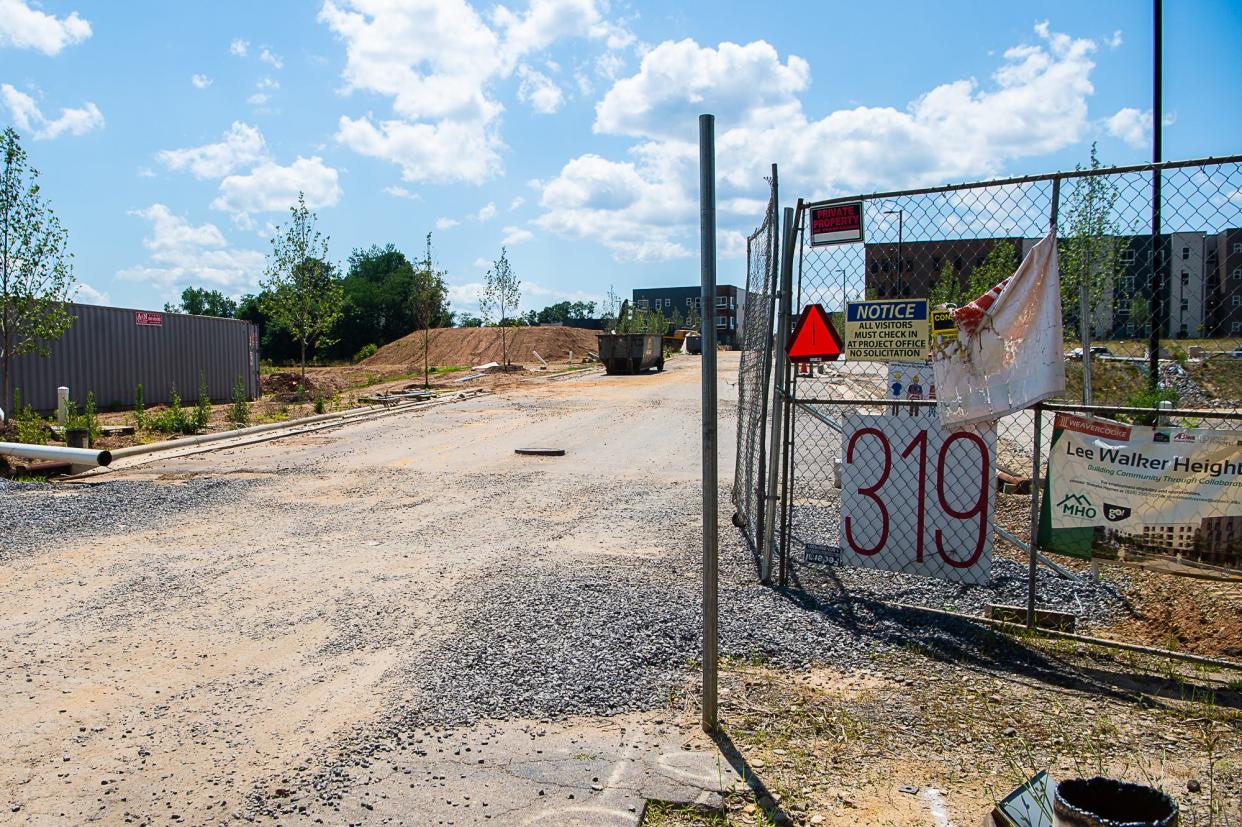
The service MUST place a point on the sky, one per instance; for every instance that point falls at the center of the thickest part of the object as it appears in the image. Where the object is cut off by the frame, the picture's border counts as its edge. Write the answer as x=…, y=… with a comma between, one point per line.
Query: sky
x=172, y=138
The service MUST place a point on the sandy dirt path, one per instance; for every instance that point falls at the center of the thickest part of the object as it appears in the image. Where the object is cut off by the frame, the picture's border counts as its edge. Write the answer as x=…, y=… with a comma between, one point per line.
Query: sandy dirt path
x=166, y=674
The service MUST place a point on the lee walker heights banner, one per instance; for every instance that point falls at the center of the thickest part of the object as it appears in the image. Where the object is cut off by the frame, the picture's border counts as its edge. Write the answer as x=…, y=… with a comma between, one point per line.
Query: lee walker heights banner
x=1173, y=490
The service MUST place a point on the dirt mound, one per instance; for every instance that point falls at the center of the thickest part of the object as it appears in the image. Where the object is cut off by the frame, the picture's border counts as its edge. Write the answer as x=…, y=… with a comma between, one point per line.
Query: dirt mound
x=285, y=384
x=467, y=346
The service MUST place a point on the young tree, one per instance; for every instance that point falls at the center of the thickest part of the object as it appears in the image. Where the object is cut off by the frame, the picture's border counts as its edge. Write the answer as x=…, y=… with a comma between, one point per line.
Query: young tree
x=36, y=270
x=302, y=291
x=427, y=294
x=1090, y=251
x=501, y=296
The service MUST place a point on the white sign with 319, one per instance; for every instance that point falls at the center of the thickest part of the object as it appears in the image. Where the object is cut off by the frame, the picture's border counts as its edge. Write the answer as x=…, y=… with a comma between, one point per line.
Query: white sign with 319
x=916, y=498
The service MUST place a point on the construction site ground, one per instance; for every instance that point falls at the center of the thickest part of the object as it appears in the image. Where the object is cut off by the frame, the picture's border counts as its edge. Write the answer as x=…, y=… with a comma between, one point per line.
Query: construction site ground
x=401, y=621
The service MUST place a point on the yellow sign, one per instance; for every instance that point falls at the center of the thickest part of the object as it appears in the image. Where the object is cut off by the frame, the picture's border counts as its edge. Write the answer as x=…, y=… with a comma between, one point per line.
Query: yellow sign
x=943, y=329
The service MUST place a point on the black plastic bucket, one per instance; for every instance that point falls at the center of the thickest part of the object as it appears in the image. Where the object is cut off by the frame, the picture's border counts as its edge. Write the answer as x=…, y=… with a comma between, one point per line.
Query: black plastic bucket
x=1107, y=802
x=78, y=437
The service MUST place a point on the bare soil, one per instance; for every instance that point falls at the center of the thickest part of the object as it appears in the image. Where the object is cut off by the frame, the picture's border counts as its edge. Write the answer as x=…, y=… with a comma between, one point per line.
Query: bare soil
x=468, y=346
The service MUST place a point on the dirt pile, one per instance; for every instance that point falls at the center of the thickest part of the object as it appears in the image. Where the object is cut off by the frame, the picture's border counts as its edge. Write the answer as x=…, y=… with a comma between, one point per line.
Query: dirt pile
x=285, y=384
x=468, y=346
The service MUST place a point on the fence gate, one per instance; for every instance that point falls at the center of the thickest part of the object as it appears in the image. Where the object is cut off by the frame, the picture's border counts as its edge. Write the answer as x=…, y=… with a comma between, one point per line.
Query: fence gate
x=1149, y=317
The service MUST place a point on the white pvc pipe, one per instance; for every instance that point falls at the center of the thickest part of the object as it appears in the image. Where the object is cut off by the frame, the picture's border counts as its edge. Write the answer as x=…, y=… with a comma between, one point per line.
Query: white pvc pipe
x=52, y=453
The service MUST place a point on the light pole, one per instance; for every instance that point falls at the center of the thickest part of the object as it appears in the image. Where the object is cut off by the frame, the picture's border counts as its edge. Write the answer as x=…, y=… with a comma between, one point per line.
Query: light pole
x=901, y=281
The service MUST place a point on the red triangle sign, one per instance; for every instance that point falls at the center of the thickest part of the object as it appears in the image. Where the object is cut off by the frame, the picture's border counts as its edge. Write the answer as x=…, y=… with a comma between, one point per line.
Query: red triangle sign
x=814, y=338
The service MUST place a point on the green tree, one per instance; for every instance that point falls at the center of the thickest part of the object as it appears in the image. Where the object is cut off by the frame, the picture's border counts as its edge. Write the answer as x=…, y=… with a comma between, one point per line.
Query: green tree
x=428, y=297
x=469, y=320
x=501, y=295
x=304, y=293
x=36, y=269
x=1000, y=264
x=199, y=301
x=948, y=287
x=1090, y=250
x=1140, y=314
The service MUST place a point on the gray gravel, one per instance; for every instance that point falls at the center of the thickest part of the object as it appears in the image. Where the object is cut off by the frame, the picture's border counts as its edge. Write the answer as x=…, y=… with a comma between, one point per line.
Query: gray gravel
x=41, y=516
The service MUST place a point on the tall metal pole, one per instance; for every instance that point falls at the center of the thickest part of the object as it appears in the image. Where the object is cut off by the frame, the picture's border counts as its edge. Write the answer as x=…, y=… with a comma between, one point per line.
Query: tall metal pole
x=707, y=256
x=901, y=262
x=1156, y=304
x=778, y=400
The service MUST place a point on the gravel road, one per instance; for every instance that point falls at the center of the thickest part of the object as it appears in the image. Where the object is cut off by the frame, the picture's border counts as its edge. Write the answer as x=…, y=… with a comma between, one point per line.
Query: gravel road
x=196, y=635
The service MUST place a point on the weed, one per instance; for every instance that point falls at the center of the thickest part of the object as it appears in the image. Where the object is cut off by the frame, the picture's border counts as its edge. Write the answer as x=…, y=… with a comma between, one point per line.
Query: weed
x=239, y=412
x=364, y=352
x=90, y=417
x=320, y=405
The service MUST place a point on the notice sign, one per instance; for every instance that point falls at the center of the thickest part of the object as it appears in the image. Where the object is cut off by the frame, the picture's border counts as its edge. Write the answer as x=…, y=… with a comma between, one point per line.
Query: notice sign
x=887, y=331
x=1170, y=488
x=837, y=224
x=917, y=498
x=149, y=318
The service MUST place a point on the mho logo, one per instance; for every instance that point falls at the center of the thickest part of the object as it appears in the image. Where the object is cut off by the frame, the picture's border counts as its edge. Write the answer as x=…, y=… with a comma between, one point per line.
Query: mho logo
x=1077, y=505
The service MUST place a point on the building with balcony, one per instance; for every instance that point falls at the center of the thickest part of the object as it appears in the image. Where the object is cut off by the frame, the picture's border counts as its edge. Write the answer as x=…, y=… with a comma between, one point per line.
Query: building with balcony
x=729, y=311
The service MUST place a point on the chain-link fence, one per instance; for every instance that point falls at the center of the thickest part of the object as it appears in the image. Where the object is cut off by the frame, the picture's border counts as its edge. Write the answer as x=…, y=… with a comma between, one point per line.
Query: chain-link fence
x=1151, y=320
x=754, y=385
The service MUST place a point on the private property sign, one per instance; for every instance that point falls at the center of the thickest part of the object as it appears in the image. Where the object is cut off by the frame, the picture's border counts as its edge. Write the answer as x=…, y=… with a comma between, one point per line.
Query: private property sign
x=917, y=498
x=148, y=318
x=887, y=331
x=837, y=224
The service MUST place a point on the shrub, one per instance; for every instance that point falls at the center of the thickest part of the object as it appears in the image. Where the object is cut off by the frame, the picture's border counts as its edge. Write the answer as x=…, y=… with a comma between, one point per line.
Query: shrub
x=320, y=406
x=140, y=408
x=173, y=420
x=365, y=352
x=239, y=412
x=1148, y=398
x=90, y=417
x=202, y=410
x=31, y=428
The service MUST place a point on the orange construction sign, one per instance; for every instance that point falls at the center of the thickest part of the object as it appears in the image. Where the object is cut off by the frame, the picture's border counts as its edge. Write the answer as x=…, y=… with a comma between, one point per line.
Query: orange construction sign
x=814, y=338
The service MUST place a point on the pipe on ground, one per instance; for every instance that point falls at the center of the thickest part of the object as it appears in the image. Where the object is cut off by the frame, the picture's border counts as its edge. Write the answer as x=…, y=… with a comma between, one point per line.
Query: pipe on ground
x=52, y=453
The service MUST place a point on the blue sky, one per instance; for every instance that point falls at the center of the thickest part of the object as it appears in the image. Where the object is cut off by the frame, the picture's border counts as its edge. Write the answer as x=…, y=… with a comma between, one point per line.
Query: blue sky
x=171, y=137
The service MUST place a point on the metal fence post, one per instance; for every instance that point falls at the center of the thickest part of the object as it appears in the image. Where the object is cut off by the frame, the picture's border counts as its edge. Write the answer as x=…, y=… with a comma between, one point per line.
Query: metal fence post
x=707, y=253
x=778, y=401
x=1034, y=548
x=1156, y=306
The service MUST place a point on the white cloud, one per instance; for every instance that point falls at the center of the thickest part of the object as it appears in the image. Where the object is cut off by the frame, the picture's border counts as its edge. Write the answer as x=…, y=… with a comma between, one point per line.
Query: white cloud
x=516, y=235
x=270, y=187
x=437, y=61
x=645, y=208
x=1115, y=41
x=539, y=91
x=146, y=172
x=270, y=58
x=516, y=202
x=443, y=223
x=25, y=28
x=29, y=118
x=1133, y=126
x=181, y=254
x=633, y=211
x=446, y=151
x=486, y=213
x=257, y=99
x=242, y=145
x=200, y=81
x=239, y=47
x=482, y=263
x=268, y=83
x=89, y=295
x=465, y=297
x=402, y=192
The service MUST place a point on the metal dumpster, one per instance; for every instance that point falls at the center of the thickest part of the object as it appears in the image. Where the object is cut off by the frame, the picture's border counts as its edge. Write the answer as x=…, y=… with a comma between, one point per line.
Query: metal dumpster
x=694, y=344
x=631, y=352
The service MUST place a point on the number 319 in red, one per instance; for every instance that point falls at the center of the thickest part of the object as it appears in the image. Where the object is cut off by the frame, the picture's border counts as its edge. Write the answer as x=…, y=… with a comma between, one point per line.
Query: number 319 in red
x=917, y=498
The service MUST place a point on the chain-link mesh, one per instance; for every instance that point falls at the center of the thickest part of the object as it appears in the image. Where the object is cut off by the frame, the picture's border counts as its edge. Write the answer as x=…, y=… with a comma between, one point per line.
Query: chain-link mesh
x=754, y=371
x=1148, y=319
